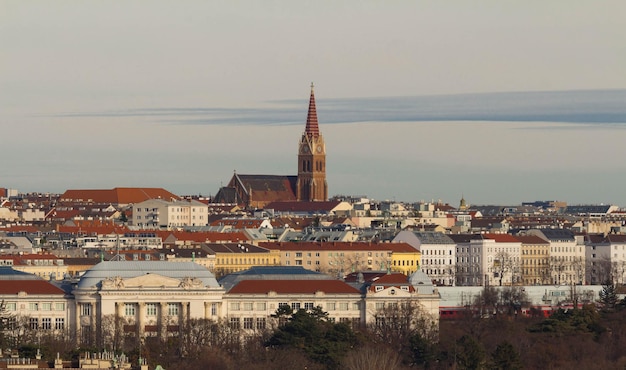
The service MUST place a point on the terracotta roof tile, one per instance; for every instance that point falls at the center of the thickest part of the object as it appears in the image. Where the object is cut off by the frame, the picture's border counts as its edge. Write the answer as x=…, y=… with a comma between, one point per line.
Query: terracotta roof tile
x=28, y=286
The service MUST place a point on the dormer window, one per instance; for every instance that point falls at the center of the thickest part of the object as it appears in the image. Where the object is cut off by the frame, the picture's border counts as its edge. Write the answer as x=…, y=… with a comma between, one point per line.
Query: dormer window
x=379, y=288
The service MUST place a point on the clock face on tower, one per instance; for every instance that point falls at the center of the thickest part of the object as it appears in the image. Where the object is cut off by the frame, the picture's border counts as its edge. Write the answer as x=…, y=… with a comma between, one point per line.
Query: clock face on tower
x=305, y=149
x=319, y=148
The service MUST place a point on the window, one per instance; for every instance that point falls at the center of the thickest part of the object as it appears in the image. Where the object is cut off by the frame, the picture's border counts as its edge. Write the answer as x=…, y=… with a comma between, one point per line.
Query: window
x=33, y=306
x=59, y=323
x=172, y=309
x=298, y=254
x=235, y=306
x=260, y=323
x=261, y=306
x=59, y=306
x=46, y=306
x=151, y=309
x=248, y=323
x=343, y=306
x=234, y=323
x=380, y=305
x=331, y=306
x=248, y=306
x=12, y=306
x=379, y=288
x=46, y=323
x=295, y=306
x=308, y=306
x=33, y=322
x=129, y=309
x=86, y=309
x=355, y=306
x=213, y=309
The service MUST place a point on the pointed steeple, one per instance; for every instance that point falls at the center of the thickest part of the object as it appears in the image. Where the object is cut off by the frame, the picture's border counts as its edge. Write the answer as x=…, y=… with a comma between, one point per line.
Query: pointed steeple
x=312, y=129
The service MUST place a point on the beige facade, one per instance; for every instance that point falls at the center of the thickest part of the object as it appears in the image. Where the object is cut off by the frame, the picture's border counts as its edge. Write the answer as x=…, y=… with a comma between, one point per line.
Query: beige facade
x=159, y=213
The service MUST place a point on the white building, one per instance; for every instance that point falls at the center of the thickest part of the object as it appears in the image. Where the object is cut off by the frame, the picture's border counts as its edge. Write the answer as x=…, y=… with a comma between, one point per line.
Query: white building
x=438, y=254
x=149, y=298
x=159, y=213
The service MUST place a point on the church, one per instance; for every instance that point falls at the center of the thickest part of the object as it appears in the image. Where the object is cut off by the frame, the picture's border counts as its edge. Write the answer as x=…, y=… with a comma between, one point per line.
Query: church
x=309, y=185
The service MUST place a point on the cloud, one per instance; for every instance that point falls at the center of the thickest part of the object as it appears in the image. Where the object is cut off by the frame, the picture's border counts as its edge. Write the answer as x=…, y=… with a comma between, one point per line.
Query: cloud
x=585, y=106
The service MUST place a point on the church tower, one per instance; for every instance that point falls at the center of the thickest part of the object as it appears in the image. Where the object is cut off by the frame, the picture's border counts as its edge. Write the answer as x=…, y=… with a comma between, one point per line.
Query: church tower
x=311, y=184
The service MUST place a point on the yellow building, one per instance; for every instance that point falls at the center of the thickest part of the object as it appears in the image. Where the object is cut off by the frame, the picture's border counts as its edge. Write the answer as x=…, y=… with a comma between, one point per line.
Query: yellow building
x=46, y=266
x=535, y=255
x=233, y=257
x=342, y=258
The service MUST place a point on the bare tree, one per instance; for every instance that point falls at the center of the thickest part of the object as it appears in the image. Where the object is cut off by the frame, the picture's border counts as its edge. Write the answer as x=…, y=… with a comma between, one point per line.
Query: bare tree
x=505, y=264
x=397, y=322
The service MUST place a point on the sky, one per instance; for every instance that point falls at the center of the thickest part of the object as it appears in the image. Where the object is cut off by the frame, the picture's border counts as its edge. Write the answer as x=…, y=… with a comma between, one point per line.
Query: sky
x=498, y=102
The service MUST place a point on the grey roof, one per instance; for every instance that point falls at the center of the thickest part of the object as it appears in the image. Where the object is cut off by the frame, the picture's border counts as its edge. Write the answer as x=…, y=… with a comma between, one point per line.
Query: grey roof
x=558, y=234
x=130, y=269
x=421, y=282
x=8, y=273
x=427, y=237
x=271, y=273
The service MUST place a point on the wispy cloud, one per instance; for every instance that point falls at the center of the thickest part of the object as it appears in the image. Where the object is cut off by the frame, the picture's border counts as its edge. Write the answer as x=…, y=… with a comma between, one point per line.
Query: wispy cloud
x=587, y=106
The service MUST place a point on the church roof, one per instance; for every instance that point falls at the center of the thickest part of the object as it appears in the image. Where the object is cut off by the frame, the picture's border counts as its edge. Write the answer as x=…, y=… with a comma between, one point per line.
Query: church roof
x=312, y=129
x=268, y=187
x=130, y=269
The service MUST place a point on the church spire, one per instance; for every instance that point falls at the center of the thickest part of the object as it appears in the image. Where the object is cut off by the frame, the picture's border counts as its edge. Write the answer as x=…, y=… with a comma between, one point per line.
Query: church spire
x=312, y=129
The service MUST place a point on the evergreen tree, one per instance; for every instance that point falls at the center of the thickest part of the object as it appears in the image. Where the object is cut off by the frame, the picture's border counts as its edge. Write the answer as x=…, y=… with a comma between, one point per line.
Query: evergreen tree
x=470, y=354
x=505, y=357
x=608, y=296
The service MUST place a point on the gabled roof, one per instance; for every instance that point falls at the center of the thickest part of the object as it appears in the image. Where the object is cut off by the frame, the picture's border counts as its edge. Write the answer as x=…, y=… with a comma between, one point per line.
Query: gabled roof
x=267, y=187
x=29, y=286
x=271, y=273
x=293, y=287
x=613, y=238
x=531, y=239
x=303, y=207
x=116, y=195
x=501, y=238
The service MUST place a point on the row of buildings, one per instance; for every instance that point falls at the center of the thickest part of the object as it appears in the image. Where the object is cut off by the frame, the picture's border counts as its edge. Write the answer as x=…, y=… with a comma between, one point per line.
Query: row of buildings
x=160, y=298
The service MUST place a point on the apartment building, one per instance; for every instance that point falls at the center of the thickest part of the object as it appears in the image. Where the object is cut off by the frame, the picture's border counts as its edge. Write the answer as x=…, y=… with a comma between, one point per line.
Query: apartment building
x=339, y=259
x=438, y=254
x=567, y=255
x=163, y=214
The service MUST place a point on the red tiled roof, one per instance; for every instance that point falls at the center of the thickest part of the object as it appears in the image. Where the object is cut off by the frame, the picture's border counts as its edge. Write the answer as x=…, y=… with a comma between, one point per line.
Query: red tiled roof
x=312, y=129
x=292, y=287
x=391, y=279
x=616, y=238
x=116, y=195
x=531, y=239
x=296, y=206
x=501, y=238
x=239, y=223
x=28, y=286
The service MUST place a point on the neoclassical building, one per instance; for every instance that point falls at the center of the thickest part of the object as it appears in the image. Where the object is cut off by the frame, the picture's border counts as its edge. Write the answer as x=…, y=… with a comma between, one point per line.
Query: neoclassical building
x=309, y=185
x=149, y=298
x=159, y=298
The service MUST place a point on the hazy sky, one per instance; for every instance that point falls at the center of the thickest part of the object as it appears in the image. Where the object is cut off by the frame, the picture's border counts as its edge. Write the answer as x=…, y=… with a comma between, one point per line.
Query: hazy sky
x=180, y=94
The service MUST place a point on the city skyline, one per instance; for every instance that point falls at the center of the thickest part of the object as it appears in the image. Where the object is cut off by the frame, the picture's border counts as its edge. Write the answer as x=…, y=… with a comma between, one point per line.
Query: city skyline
x=499, y=104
